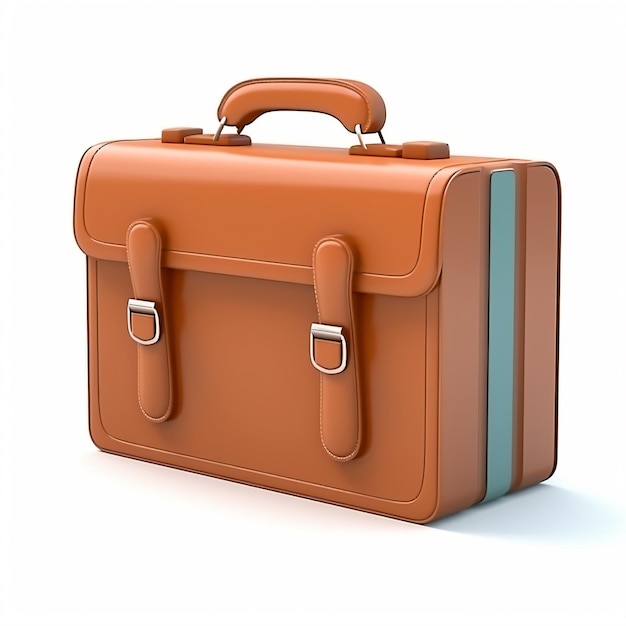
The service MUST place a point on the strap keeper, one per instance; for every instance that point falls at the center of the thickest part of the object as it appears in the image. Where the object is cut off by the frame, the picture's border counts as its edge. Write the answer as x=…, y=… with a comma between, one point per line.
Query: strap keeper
x=143, y=307
x=329, y=333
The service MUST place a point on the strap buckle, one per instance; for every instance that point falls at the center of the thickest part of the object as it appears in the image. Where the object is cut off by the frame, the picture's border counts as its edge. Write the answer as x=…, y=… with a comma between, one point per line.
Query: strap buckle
x=332, y=333
x=143, y=307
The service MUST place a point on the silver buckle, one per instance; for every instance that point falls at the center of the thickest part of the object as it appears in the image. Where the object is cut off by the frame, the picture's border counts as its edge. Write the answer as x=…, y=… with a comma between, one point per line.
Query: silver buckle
x=334, y=333
x=143, y=307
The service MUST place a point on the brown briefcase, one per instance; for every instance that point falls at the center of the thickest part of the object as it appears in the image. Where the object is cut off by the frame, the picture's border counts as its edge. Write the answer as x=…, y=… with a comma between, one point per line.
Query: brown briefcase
x=375, y=327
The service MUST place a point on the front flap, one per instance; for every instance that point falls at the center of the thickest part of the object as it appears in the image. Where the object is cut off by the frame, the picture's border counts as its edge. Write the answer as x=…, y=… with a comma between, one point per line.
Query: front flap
x=258, y=210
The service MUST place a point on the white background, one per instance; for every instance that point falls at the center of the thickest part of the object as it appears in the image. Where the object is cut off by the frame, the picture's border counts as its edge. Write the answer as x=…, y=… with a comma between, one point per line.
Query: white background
x=89, y=538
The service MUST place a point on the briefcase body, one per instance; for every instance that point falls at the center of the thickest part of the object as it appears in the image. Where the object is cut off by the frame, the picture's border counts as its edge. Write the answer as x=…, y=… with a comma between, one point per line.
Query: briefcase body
x=375, y=327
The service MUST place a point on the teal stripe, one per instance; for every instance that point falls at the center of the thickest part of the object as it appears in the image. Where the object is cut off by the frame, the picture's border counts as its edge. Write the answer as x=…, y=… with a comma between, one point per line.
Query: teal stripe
x=501, y=334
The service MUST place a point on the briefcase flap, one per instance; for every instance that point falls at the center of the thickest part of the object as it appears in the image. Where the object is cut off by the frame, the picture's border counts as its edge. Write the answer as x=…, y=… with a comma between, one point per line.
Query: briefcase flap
x=258, y=210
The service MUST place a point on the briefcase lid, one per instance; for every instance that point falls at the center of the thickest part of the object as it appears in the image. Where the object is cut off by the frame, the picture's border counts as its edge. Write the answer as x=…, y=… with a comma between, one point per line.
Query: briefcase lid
x=258, y=210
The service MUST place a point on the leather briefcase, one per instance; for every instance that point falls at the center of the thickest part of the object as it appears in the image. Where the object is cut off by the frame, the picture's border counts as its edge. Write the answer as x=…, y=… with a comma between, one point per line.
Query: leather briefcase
x=375, y=327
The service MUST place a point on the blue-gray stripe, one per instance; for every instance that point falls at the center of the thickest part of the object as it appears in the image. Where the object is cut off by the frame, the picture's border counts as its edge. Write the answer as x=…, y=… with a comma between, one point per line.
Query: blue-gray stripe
x=501, y=334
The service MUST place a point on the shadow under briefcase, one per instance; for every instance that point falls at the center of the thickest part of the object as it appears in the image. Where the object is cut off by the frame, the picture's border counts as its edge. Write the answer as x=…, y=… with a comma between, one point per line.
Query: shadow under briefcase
x=375, y=327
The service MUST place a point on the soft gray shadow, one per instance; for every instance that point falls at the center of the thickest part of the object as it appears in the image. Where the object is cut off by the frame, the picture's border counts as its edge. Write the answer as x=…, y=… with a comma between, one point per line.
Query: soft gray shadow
x=248, y=501
x=543, y=513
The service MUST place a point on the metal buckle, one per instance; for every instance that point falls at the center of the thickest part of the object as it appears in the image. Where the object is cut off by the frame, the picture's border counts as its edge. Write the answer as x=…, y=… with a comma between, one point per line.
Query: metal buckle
x=220, y=128
x=143, y=307
x=334, y=333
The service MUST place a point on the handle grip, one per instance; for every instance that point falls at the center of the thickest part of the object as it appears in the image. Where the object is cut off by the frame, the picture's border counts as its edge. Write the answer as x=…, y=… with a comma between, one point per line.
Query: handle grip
x=353, y=103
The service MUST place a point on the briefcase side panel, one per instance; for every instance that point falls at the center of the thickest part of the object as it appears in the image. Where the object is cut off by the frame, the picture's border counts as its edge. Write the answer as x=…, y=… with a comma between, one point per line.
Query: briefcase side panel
x=538, y=311
x=464, y=302
x=463, y=340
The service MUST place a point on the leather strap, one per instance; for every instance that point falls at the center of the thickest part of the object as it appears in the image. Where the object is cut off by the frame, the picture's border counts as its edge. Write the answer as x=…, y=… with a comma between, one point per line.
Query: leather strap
x=350, y=101
x=147, y=323
x=333, y=349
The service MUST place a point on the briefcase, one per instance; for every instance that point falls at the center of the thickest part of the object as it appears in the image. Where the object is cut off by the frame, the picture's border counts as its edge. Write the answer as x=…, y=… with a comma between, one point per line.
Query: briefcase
x=373, y=326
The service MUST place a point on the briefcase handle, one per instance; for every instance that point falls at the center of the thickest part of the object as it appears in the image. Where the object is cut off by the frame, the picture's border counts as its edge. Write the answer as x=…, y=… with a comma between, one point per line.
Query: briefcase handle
x=359, y=107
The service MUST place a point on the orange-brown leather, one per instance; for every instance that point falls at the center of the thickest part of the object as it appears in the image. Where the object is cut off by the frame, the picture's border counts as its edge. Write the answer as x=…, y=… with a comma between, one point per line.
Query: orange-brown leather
x=537, y=446
x=223, y=140
x=154, y=378
x=521, y=190
x=269, y=219
x=377, y=149
x=408, y=464
x=425, y=150
x=463, y=305
x=350, y=101
x=327, y=353
x=143, y=326
x=177, y=135
x=238, y=225
x=340, y=406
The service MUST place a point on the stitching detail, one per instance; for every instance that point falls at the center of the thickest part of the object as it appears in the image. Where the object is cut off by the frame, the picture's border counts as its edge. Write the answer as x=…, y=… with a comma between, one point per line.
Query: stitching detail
x=132, y=282
x=165, y=334
x=351, y=348
x=319, y=319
